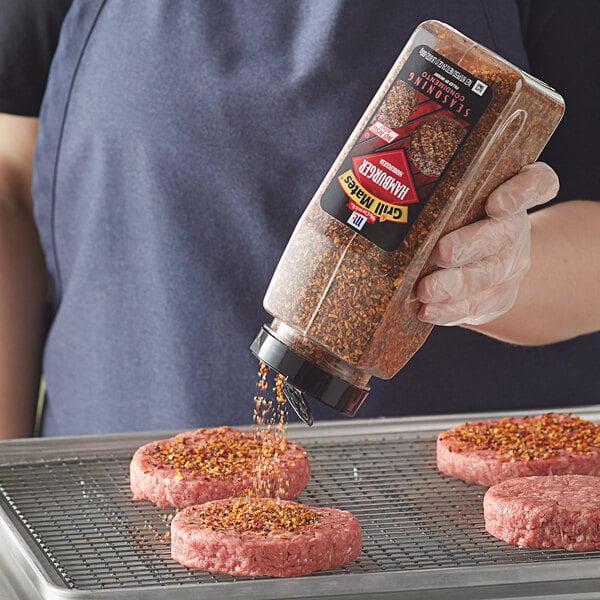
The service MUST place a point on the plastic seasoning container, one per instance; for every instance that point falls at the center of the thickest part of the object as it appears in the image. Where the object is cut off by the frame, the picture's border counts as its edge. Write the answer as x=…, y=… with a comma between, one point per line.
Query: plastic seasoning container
x=451, y=121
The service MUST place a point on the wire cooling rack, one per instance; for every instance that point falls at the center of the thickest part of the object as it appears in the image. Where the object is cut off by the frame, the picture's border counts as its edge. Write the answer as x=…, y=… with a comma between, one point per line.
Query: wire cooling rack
x=70, y=522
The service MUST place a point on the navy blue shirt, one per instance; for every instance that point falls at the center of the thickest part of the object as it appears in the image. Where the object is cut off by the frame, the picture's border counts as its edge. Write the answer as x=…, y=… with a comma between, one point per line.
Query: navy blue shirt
x=176, y=144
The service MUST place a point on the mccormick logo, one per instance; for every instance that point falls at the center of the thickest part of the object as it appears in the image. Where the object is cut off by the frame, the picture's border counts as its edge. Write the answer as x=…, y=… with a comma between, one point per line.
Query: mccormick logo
x=357, y=220
x=379, y=187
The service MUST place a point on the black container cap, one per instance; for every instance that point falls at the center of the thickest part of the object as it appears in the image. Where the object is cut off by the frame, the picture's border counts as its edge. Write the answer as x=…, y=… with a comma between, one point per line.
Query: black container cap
x=305, y=377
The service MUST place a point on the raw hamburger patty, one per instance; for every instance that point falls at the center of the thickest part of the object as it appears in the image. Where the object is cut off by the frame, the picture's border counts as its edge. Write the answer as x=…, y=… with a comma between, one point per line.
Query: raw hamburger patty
x=489, y=452
x=208, y=464
x=556, y=511
x=258, y=536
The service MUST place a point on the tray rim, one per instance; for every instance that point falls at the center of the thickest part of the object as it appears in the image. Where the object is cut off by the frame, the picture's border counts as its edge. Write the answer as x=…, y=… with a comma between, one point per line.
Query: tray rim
x=22, y=448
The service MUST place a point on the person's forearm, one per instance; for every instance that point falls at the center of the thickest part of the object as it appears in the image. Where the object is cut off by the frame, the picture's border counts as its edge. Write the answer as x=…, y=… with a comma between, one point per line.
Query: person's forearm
x=23, y=282
x=559, y=297
x=22, y=322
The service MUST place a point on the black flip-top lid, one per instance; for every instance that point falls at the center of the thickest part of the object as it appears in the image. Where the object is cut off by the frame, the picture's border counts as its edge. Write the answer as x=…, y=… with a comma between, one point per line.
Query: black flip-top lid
x=305, y=377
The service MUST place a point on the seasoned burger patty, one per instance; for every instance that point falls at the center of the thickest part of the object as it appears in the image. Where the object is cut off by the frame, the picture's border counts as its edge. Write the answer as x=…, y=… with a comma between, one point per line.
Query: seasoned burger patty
x=258, y=536
x=208, y=464
x=433, y=143
x=488, y=452
x=398, y=106
x=556, y=511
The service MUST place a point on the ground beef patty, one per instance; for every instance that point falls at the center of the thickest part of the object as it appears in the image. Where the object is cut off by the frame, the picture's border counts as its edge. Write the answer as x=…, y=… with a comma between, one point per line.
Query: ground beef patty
x=398, y=106
x=433, y=143
x=556, y=511
x=489, y=452
x=208, y=464
x=259, y=536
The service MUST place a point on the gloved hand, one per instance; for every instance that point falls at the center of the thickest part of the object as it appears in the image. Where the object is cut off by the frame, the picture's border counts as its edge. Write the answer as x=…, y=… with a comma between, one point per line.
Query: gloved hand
x=483, y=263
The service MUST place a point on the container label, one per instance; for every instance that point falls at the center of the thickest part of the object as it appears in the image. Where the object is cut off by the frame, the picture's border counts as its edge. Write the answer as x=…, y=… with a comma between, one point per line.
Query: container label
x=415, y=131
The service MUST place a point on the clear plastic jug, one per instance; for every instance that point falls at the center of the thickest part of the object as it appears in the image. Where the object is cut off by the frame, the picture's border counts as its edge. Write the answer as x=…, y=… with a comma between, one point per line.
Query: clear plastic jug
x=451, y=121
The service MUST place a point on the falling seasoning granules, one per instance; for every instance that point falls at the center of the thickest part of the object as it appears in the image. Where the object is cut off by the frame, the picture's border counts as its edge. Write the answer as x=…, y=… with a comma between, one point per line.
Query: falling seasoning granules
x=270, y=420
x=529, y=438
x=238, y=453
x=199, y=466
x=342, y=296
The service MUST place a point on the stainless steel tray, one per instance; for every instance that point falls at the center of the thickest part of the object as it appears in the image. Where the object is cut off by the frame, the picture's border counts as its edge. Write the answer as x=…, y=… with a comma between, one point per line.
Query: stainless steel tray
x=69, y=528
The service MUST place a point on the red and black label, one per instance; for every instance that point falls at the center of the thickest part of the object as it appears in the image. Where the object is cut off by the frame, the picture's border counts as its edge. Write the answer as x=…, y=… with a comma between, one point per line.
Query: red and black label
x=417, y=128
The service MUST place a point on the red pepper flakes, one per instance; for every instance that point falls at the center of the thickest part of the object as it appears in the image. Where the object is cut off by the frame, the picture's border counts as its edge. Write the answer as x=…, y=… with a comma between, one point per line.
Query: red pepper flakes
x=527, y=438
x=259, y=515
x=236, y=453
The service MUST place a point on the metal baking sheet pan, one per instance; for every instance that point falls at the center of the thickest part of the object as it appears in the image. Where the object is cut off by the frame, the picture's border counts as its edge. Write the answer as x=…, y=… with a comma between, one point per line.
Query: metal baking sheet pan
x=69, y=528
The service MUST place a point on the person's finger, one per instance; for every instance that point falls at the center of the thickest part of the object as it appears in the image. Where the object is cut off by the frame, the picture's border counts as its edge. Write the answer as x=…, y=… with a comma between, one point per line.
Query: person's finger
x=478, y=310
x=461, y=283
x=533, y=185
x=480, y=239
x=458, y=283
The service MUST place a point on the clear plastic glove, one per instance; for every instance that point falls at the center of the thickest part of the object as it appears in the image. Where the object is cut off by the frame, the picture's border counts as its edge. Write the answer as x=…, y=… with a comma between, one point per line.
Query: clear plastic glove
x=483, y=263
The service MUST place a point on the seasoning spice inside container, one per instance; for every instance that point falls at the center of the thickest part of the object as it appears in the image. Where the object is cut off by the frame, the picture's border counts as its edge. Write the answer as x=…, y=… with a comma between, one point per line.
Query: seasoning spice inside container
x=450, y=123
